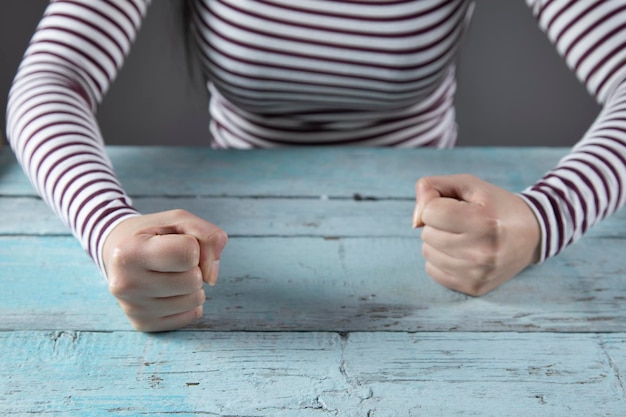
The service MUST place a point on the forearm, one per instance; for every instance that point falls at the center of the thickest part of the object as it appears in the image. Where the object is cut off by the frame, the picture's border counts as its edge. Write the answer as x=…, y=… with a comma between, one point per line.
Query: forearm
x=58, y=144
x=587, y=184
x=51, y=122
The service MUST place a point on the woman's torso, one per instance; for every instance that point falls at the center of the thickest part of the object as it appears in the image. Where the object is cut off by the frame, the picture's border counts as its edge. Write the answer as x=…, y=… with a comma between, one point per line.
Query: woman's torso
x=330, y=72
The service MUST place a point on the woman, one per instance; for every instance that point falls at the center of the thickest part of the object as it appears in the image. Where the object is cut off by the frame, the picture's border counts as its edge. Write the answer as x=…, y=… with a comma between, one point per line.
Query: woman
x=312, y=72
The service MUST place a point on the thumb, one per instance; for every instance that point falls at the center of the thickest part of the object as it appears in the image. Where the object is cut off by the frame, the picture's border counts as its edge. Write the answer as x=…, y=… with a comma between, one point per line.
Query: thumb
x=462, y=187
x=424, y=192
x=211, y=239
x=211, y=247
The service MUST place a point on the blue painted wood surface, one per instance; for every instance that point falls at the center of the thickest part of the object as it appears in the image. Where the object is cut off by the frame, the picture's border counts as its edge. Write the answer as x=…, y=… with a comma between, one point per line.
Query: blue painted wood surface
x=312, y=283
x=312, y=374
x=322, y=307
x=309, y=172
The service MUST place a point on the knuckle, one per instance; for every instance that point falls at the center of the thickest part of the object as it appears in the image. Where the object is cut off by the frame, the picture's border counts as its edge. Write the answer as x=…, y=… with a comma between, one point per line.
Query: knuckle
x=134, y=312
x=125, y=256
x=488, y=252
x=474, y=291
x=220, y=238
x=199, y=297
x=466, y=177
x=196, y=277
x=477, y=288
x=122, y=255
x=144, y=326
x=494, y=226
x=141, y=321
x=426, y=234
x=479, y=283
x=422, y=182
x=122, y=286
x=179, y=213
x=197, y=313
x=486, y=259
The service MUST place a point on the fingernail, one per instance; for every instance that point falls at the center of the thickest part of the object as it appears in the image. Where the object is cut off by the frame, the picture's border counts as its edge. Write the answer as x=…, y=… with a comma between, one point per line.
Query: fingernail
x=415, y=222
x=215, y=268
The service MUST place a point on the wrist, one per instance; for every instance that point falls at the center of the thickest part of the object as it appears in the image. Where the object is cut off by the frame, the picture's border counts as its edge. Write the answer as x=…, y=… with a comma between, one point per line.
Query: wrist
x=107, y=240
x=536, y=229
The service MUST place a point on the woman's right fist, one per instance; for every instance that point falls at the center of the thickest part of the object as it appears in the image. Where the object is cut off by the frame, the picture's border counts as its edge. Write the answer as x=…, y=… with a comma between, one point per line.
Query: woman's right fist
x=155, y=265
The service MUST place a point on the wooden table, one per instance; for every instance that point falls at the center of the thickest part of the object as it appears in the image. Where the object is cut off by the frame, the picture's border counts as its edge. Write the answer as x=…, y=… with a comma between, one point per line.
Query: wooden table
x=322, y=307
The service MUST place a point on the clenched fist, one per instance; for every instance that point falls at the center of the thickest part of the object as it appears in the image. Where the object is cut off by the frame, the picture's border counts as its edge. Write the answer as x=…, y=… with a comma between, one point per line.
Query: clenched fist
x=156, y=264
x=476, y=236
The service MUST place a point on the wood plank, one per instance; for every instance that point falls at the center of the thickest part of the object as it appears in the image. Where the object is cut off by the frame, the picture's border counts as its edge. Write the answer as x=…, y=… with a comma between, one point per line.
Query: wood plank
x=534, y=375
x=312, y=283
x=312, y=172
x=241, y=216
x=24, y=216
x=334, y=272
x=614, y=347
x=310, y=374
x=267, y=217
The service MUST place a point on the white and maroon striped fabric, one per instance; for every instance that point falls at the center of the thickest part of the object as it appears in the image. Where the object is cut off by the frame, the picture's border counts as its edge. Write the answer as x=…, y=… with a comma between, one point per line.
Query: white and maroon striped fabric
x=73, y=57
x=590, y=182
x=308, y=72
x=330, y=72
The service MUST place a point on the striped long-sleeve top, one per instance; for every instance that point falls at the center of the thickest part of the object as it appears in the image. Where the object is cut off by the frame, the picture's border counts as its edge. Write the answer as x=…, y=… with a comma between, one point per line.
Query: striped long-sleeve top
x=311, y=72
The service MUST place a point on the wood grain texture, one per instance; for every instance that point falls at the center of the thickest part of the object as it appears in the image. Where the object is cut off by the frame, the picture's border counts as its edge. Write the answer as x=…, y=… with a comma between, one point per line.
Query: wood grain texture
x=242, y=216
x=311, y=374
x=311, y=191
x=296, y=261
x=316, y=283
x=311, y=172
x=322, y=307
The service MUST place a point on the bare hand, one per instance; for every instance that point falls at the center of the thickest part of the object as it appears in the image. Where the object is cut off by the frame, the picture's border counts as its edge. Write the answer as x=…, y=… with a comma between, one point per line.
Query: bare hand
x=476, y=236
x=156, y=264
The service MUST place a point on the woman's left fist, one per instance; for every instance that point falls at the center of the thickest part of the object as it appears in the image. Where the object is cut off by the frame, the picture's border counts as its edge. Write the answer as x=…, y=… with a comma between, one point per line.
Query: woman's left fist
x=476, y=236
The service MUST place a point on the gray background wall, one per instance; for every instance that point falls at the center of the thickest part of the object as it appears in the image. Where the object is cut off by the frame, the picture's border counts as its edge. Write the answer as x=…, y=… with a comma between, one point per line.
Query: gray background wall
x=513, y=87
